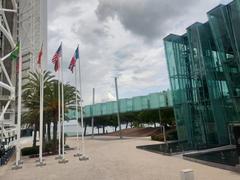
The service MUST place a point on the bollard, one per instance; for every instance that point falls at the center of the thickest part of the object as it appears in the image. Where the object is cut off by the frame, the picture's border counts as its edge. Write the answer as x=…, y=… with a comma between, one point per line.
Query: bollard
x=187, y=174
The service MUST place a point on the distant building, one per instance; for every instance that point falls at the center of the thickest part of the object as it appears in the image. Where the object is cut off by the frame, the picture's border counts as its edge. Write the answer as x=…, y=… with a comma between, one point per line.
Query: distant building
x=204, y=72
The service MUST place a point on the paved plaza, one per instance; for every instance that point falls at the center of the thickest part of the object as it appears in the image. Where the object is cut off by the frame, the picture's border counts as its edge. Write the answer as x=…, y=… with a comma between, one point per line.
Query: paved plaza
x=114, y=159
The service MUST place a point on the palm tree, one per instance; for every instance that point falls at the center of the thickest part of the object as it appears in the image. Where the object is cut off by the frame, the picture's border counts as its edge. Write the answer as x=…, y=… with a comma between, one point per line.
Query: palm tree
x=51, y=107
x=31, y=96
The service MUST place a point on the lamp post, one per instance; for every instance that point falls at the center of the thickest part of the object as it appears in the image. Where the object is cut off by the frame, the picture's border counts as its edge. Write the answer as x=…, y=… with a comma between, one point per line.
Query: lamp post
x=92, y=123
x=118, y=109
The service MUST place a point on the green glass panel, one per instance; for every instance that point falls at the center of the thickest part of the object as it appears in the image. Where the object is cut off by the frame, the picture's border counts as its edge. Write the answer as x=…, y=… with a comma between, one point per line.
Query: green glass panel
x=129, y=105
x=204, y=72
x=137, y=104
x=97, y=110
x=145, y=102
x=154, y=100
x=104, y=109
x=162, y=100
x=87, y=111
x=125, y=105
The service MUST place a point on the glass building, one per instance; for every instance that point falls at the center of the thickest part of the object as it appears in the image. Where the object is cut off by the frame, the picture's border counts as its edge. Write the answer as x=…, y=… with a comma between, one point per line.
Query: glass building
x=204, y=72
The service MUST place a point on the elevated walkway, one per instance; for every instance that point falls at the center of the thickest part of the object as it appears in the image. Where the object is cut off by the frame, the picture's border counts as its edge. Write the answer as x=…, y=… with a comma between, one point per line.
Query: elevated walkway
x=152, y=101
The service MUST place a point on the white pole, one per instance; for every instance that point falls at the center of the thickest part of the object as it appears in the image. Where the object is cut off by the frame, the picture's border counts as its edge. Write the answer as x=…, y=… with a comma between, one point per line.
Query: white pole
x=118, y=109
x=41, y=117
x=63, y=160
x=83, y=157
x=2, y=126
x=76, y=114
x=83, y=143
x=62, y=109
x=92, y=124
x=41, y=124
x=59, y=117
x=19, y=108
x=76, y=105
x=81, y=109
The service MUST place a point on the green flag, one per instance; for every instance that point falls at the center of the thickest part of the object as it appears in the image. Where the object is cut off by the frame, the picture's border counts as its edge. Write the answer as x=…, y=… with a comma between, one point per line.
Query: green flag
x=15, y=52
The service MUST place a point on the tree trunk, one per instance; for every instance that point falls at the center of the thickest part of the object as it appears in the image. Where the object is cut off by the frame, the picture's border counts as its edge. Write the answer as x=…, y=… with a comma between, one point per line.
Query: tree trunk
x=126, y=124
x=103, y=129
x=115, y=128
x=49, y=131
x=44, y=133
x=85, y=128
x=98, y=130
x=55, y=132
x=35, y=136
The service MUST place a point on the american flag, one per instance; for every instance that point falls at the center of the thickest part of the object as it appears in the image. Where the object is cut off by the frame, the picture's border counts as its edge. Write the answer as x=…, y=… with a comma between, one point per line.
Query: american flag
x=56, y=58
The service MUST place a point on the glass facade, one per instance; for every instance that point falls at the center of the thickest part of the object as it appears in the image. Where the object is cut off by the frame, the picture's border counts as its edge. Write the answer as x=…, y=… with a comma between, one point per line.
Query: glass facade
x=204, y=66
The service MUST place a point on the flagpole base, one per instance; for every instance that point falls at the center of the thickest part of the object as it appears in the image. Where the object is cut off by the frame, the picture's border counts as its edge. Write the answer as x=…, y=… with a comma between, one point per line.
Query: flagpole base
x=38, y=160
x=16, y=167
x=20, y=162
x=78, y=155
x=41, y=164
x=58, y=157
x=83, y=158
x=63, y=161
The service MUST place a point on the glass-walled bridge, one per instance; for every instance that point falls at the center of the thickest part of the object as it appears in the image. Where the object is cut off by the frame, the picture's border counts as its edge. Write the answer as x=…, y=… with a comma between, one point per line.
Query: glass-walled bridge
x=152, y=101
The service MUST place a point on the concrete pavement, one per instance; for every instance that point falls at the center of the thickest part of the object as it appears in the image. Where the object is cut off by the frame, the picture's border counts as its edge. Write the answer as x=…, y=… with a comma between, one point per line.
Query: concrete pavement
x=114, y=159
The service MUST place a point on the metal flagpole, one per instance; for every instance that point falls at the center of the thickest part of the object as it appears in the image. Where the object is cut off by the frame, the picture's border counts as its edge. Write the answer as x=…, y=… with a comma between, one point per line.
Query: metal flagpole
x=41, y=163
x=118, y=109
x=76, y=113
x=41, y=124
x=63, y=160
x=92, y=123
x=59, y=118
x=83, y=157
x=19, y=109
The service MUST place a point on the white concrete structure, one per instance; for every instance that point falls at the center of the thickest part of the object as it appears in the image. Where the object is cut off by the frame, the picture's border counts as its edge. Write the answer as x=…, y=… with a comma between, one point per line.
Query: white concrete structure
x=8, y=36
x=187, y=174
x=32, y=32
x=25, y=21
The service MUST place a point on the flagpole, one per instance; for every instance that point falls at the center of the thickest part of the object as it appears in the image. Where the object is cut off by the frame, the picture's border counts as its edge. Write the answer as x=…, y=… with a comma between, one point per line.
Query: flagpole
x=76, y=85
x=57, y=63
x=62, y=111
x=41, y=117
x=41, y=163
x=83, y=157
x=19, y=109
x=63, y=160
x=59, y=117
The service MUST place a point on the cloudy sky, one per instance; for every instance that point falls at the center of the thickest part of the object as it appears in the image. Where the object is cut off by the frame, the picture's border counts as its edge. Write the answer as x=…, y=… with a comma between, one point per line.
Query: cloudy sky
x=120, y=38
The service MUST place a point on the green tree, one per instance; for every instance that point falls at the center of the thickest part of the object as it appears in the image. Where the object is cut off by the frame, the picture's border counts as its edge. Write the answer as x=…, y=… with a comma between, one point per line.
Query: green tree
x=31, y=96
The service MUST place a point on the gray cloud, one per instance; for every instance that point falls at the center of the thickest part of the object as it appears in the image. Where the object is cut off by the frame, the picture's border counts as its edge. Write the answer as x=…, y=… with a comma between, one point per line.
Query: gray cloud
x=89, y=33
x=112, y=35
x=150, y=19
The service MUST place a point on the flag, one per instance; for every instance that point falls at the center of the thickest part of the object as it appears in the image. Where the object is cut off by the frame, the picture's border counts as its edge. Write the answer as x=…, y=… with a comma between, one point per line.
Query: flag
x=56, y=58
x=15, y=52
x=73, y=60
x=40, y=56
